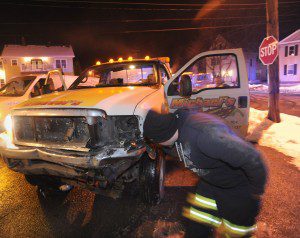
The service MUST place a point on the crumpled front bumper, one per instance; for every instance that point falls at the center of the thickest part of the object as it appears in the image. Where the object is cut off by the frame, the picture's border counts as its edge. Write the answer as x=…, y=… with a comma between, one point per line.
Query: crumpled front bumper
x=107, y=163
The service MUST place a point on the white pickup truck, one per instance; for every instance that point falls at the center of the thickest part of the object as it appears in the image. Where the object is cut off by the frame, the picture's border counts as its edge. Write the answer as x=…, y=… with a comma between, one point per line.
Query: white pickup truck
x=92, y=135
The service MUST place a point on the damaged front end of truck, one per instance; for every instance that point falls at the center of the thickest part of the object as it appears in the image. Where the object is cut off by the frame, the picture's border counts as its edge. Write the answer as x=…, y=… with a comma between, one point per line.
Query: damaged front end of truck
x=78, y=147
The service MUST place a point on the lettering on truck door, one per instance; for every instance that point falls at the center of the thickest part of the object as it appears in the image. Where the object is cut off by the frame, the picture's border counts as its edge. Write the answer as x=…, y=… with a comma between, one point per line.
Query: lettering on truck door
x=219, y=85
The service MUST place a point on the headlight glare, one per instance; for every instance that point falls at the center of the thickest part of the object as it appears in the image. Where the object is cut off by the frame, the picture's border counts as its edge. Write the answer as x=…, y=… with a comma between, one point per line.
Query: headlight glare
x=8, y=123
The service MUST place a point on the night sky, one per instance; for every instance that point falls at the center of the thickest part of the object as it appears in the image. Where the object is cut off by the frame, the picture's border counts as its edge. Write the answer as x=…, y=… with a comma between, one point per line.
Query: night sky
x=99, y=30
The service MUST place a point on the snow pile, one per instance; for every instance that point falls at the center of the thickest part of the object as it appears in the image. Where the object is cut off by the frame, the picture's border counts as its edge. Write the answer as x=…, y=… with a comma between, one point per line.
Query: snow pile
x=283, y=136
x=258, y=88
x=295, y=89
x=285, y=88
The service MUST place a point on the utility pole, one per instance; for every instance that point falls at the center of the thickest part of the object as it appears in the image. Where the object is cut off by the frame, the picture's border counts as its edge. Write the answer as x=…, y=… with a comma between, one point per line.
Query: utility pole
x=273, y=77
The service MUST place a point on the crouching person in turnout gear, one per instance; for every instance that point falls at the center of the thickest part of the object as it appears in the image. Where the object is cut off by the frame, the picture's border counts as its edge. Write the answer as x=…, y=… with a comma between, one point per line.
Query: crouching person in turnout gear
x=232, y=172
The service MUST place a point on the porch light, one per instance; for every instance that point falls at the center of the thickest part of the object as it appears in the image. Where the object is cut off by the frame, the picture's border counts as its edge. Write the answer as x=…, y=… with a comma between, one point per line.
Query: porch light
x=98, y=63
x=120, y=59
x=111, y=60
x=147, y=57
x=27, y=59
x=44, y=59
x=2, y=74
x=132, y=66
x=130, y=58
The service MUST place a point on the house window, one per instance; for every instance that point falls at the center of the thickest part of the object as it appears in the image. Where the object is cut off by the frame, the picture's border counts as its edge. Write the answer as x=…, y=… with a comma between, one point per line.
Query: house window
x=64, y=64
x=36, y=64
x=57, y=64
x=292, y=69
x=293, y=50
x=250, y=62
x=14, y=62
x=61, y=64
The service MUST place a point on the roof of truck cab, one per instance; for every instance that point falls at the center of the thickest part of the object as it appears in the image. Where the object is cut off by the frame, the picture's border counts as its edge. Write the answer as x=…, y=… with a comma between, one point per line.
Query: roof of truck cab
x=132, y=61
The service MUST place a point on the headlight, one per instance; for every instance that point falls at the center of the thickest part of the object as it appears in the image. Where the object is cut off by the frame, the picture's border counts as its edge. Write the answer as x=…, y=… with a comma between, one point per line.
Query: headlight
x=8, y=123
x=7, y=136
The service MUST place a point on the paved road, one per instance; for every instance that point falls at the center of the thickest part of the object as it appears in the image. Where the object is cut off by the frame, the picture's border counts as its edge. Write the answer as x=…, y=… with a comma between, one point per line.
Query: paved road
x=288, y=104
x=83, y=214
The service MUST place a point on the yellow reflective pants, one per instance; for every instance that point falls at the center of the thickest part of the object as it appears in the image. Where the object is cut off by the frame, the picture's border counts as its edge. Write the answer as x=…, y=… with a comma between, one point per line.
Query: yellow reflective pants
x=204, y=210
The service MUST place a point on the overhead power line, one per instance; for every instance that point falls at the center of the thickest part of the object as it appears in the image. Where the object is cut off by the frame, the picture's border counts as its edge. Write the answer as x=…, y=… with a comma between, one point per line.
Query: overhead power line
x=151, y=3
x=137, y=20
x=241, y=26
x=128, y=8
x=196, y=28
x=162, y=4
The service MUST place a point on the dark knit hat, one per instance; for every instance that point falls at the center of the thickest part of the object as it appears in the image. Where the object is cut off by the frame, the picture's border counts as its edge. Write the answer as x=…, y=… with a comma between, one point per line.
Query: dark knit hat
x=159, y=127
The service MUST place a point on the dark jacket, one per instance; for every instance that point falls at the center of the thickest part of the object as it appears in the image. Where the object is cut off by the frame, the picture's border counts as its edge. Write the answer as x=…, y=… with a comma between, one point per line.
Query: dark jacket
x=217, y=154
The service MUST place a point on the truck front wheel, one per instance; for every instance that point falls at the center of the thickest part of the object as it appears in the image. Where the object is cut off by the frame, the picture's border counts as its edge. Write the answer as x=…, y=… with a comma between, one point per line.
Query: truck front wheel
x=152, y=177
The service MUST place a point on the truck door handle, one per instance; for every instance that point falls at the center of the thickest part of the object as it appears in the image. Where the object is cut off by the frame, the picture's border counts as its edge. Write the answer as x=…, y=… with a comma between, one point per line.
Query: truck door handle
x=243, y=102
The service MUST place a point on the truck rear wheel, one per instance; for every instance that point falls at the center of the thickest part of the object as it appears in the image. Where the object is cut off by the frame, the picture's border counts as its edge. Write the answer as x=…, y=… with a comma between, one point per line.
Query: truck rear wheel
x=152, y=177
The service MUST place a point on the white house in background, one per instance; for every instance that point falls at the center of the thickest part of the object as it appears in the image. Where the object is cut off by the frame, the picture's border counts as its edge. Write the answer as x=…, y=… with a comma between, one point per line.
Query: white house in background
x=257, y=72
x=34, y=59
x=289, y=58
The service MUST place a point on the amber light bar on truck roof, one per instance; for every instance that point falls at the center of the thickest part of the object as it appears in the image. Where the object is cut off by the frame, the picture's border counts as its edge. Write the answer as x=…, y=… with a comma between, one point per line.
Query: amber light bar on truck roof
x=130, y=58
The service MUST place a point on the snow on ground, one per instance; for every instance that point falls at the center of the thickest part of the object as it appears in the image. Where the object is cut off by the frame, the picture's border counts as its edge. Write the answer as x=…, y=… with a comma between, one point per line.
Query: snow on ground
x=284, y=88
x=283, y=136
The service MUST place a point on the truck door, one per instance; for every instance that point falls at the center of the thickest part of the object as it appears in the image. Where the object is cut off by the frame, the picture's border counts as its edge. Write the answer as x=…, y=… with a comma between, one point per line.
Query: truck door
x=214, y=82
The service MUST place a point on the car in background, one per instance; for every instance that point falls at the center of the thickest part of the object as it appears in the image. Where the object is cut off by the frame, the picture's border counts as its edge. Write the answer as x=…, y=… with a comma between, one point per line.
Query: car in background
x=22, y=88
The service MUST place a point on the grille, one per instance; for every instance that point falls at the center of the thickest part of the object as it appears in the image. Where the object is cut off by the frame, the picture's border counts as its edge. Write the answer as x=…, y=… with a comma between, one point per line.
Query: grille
x=70, y=131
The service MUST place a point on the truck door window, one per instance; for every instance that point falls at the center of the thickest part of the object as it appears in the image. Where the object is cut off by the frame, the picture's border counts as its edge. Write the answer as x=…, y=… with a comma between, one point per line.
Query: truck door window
x=210, y=72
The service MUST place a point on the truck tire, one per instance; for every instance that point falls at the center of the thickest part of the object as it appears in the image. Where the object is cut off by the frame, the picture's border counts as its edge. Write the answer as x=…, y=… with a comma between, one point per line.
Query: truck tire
x=152, y=177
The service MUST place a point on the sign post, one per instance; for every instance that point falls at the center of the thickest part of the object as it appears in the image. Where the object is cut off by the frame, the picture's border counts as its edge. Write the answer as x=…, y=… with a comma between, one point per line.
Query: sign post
x=268, y=53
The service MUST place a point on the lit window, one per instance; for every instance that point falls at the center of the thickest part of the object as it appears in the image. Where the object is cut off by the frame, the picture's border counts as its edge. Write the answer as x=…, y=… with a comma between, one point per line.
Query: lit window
x=292, y=50
x=36, y=64
x=14, y=62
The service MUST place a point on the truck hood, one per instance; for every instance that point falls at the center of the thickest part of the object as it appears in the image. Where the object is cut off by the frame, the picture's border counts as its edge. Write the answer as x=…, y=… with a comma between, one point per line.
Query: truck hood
x=113, y=100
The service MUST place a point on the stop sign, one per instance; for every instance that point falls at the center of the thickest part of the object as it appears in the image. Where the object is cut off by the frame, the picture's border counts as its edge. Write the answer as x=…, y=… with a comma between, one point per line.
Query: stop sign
x=268, y=50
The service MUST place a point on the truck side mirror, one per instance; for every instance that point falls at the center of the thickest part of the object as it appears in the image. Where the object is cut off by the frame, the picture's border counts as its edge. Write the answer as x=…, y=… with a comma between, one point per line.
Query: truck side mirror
x=185, y=86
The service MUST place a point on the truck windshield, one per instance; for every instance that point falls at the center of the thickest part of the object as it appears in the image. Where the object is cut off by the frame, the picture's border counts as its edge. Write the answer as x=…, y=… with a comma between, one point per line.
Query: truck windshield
x=17, y=86
x=116, y=75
